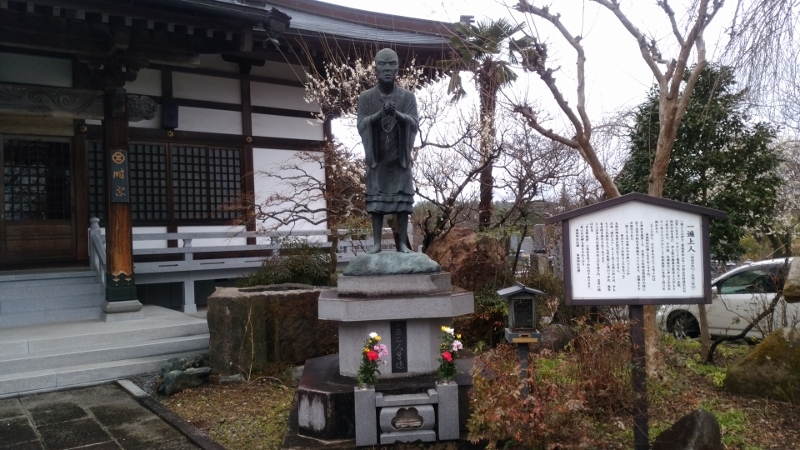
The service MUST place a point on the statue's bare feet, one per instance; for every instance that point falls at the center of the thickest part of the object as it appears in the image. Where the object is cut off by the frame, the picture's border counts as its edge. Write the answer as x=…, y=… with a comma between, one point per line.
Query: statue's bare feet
x=374, y=249
x=403, y=249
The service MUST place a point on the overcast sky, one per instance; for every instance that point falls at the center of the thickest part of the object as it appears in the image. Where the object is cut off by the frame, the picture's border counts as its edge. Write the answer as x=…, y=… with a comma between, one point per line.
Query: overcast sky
x=616, y=75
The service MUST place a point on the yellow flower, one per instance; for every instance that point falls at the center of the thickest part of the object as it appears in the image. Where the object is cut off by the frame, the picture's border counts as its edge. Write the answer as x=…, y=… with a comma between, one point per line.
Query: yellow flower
x=366, y=349
x=377, y=338
x=458, y=336
x=444, y=328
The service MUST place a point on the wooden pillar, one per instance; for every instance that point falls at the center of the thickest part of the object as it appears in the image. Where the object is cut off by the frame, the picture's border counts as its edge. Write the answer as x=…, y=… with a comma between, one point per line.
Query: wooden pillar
x=120, y=282
x=249, y=184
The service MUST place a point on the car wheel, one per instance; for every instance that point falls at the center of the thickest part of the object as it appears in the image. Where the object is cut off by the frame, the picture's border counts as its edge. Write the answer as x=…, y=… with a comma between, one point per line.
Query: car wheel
x=684, y=326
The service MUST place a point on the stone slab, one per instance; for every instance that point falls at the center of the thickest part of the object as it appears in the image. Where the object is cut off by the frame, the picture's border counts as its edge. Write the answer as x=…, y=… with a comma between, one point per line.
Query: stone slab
x=423, y=413
x=430, y=397
x=121, y=316
x=394, y=285
x=79, y=433
x=448, y=411
x=344, y=309
x=408, y=436
x=366, y=429
x=391, y=263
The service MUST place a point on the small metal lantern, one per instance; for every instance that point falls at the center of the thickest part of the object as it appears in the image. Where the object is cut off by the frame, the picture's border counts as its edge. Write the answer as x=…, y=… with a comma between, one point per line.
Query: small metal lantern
x=521, y=313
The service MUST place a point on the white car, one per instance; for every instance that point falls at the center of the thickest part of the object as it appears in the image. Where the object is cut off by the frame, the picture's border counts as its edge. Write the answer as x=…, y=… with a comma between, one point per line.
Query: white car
x=738, y=297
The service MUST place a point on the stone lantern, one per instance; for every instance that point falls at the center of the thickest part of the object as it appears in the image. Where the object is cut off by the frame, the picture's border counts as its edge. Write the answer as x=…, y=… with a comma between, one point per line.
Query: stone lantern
x=521, y=314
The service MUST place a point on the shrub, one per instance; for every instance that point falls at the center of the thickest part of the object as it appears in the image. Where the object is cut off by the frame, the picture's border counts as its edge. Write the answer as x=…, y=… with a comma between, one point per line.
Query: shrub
x=603, y=356
x=572, y=396
x=297, y=262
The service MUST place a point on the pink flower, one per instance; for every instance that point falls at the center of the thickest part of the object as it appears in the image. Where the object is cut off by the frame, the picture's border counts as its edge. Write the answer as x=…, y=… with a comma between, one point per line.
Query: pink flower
x=447, y=356
x=381, y=349
x=457, y=345
x=372, y=355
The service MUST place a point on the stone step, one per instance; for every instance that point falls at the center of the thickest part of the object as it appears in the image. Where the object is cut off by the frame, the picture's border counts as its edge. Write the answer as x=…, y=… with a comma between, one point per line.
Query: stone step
x=49, y=316
x=46, y=341
x=101, y=353
x=39, y=278
x=14, y=292
x=80, y=375
x=66, y=301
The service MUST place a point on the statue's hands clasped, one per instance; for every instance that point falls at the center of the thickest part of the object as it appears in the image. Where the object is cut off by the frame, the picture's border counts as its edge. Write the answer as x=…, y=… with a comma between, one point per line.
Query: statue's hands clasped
x=389, y=108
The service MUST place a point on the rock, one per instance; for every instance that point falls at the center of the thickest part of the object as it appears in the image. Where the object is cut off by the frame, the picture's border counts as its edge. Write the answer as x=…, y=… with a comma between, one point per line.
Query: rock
x=696, y=431
x=474, y=260
x=556, y=336
x=391, y=263
x=791, y=288
x=184, y=363
x=237, y=378
x=179, y=380
x=770, y=370
x=254, y=326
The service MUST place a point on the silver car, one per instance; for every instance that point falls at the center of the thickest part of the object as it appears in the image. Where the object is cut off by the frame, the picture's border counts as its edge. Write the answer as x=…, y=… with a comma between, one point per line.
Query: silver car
x=739, y=296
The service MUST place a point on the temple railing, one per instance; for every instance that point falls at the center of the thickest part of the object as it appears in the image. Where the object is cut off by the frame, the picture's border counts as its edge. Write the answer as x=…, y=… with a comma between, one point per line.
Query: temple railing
x=183, y=262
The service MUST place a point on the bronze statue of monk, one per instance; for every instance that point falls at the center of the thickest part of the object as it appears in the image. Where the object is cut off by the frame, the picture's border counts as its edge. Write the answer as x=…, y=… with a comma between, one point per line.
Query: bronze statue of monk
x=387, y=123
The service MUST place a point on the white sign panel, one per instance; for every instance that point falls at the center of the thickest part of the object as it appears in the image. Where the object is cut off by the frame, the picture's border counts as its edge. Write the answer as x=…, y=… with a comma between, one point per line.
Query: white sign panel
x=636, y=250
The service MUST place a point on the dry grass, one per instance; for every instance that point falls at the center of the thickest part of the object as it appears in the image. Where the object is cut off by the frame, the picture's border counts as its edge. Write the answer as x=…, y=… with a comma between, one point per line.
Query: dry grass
x=253, y=415
x=244, y=415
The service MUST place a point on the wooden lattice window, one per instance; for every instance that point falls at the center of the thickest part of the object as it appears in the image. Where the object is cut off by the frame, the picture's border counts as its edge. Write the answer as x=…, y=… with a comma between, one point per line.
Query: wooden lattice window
x=148, y=182
x=206, y=182
x=174, y=183
x=97, y=181
x=37, y=180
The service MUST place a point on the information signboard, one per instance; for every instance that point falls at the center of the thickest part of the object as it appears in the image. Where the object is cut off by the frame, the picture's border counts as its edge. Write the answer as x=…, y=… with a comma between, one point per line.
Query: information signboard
x=637, y=249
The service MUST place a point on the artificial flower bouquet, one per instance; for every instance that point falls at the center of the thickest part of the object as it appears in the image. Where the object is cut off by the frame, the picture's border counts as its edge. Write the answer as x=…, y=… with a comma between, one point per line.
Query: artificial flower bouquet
x=449, y=352
x=371, y=359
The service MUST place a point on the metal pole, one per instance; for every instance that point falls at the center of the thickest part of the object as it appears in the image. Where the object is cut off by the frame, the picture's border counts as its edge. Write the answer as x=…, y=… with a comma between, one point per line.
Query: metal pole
x=641, y=439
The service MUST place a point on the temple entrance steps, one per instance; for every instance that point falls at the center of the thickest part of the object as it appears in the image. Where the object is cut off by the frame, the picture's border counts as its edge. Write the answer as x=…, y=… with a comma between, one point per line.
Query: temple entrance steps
x=31, y=298
x=45, y=357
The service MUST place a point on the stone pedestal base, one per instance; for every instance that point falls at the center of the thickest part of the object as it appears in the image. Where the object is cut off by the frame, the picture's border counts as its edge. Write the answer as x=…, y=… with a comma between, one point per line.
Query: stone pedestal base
x=431, y=304
x=122, y=310
x=421, y=346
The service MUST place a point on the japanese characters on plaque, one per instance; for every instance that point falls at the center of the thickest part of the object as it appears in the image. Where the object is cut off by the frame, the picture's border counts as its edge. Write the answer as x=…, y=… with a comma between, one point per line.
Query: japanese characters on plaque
x=399, y=340
x=637, y=251
x=118, y=174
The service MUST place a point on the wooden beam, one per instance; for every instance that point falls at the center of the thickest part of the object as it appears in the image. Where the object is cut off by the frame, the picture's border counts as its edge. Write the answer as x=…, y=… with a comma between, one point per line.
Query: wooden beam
x=41, y=101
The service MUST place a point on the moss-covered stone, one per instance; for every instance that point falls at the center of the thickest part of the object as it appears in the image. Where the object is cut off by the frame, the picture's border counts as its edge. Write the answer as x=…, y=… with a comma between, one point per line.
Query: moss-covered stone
x=770, y=370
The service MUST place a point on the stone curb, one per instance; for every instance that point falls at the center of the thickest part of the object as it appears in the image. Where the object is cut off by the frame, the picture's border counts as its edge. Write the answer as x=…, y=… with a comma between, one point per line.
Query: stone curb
x=194, y=434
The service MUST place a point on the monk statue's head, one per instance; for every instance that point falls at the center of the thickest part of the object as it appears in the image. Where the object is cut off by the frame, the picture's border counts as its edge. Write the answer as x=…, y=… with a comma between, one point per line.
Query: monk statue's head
x=386, y=65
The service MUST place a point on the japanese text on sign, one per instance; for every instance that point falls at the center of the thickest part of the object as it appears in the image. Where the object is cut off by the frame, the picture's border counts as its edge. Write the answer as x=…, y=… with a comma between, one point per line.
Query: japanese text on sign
x=636, y=251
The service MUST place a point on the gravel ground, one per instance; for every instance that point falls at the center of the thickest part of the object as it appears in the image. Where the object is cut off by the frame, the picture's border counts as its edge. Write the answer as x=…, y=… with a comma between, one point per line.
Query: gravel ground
x=147, y=383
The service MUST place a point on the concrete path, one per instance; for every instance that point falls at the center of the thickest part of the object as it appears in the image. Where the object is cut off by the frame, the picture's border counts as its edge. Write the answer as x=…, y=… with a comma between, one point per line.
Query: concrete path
x=108, y=416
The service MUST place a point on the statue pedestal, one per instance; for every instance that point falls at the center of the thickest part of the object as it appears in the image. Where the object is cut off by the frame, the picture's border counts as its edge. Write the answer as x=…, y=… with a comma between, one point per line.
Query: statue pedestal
x=406, y=310
x=406, y=299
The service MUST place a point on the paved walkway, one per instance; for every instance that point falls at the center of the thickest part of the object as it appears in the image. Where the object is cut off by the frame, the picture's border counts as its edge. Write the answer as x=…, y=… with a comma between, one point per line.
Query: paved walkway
x=94, y=418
